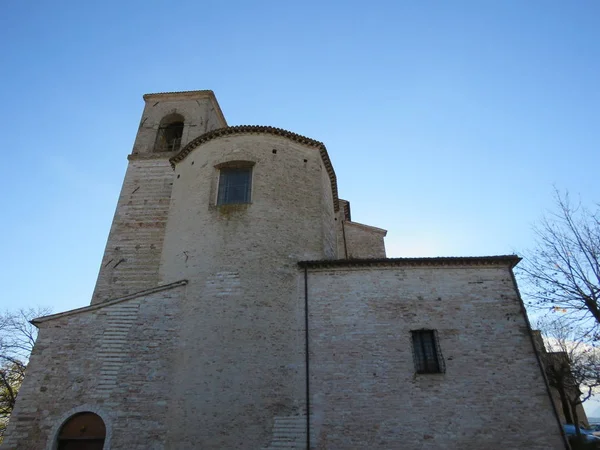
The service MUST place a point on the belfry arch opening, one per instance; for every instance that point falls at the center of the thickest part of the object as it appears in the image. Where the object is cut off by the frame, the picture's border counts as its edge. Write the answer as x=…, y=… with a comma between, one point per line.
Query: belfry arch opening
x=82, y=431
x=170, y=131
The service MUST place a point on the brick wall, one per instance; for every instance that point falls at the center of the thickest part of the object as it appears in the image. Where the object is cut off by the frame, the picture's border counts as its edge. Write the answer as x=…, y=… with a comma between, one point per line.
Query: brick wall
x=220, y=363
x=241, y=372
x=364, y=241
x=330, y=249
x=83, y=362
x=199, y=109
x=364, y=389
x=132, y=255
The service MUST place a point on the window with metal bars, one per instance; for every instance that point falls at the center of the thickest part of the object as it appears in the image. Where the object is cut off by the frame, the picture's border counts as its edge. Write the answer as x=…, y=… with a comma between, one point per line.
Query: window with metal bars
x=168, y=138
x=426, y=351
x=234, y=185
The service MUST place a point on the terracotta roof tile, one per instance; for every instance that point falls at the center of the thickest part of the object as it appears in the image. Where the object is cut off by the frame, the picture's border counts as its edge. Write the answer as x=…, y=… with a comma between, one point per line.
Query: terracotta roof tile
x=204, y=91
x=510, y=260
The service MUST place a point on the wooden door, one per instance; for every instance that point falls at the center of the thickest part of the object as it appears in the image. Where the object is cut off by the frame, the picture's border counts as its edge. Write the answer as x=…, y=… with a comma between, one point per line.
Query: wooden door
x=83, y=431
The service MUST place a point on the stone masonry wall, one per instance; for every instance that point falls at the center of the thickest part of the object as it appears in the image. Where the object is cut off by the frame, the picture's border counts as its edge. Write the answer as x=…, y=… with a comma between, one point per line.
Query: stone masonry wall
x=83, y=362
x=363, y=241
x=241, y=372
x=282, y=224
x=199, y=109
x=132, y=256
x=329, y=218
x=235, y=357
x=364, y=390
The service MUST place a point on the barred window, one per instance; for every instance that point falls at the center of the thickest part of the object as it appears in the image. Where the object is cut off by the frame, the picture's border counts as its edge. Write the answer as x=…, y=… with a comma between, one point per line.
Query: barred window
x=234, y=185
x=426, y=350
x=169, y=137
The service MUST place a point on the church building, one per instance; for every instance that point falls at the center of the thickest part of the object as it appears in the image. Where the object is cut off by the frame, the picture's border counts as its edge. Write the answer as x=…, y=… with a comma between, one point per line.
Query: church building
x=240, y=306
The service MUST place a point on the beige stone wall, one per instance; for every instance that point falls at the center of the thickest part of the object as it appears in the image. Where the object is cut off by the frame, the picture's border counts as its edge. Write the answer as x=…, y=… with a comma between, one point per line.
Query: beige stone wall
x=221, y=365
x=283, y=224
x=83, y=362
x=199, y=109
x=329, y=218
x=220, y=362
x=132, y=255
x=241, y=372
x=364, y=389
x=342, y=250
x=356, y=240
x=363, y=241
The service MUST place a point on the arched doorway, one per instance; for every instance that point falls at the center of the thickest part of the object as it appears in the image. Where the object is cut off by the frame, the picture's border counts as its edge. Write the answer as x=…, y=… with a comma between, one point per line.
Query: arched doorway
x=83, y=431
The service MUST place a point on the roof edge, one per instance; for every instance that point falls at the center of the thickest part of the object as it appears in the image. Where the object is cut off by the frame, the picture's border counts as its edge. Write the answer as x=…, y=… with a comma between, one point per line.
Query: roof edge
x=39, y=320
x=189, y=95
x=367, y=227
x=178, y=95
x=259, y=129
x=501, y=260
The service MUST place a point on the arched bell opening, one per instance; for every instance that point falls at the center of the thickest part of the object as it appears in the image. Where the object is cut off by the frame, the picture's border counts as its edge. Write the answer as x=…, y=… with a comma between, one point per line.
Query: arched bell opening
x=170, y=131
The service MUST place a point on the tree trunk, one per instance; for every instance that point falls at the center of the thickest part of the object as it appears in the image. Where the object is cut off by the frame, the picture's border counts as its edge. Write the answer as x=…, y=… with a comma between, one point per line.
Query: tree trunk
x=566, y=406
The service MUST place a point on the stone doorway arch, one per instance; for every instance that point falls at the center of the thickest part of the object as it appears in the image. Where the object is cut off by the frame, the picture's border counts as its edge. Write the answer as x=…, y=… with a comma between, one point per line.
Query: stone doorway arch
x=82, y=431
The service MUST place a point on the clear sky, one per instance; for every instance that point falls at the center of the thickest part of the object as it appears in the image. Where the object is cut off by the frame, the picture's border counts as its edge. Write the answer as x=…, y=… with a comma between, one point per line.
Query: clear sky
x=447, y=122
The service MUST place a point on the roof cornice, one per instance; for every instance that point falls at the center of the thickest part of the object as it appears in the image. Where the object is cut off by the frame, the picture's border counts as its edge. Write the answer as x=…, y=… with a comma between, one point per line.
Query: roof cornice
x=257, y=129
x=179, y=95
x=369, y=228
x=502, y=260
x=189, y=95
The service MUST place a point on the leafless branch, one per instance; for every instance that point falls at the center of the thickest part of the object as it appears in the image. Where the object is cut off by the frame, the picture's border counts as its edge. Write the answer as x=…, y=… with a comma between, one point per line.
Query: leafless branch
x=562, y=272
x=572, y=364
x=17, y=337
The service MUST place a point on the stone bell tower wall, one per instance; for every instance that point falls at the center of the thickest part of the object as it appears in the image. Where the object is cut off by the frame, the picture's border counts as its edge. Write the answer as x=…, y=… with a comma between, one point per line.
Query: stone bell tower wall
x=132, y=255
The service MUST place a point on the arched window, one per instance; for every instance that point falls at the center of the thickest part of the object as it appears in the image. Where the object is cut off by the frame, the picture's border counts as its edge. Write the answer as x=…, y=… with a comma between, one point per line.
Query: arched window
x=83, y=431
x=169, y=134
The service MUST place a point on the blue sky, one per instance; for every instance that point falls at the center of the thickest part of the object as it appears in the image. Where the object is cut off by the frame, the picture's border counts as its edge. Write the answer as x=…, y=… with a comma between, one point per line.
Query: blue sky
x=448, y=123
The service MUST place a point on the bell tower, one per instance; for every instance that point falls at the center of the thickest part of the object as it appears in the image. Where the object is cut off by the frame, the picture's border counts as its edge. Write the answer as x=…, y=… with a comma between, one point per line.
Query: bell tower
x=133, y=250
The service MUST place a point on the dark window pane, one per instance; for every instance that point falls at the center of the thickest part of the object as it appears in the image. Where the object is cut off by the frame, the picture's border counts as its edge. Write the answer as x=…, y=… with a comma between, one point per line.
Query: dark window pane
x=425, y=351
x=234, y=186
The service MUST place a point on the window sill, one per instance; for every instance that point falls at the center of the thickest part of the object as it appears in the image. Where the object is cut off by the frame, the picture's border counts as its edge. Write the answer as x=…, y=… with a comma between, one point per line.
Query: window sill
x=232, y=208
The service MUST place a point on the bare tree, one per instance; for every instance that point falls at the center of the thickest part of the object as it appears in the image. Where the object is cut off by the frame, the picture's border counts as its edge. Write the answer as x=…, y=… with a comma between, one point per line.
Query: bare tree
x=17, y=337
x=572, y=366
x=562, y=272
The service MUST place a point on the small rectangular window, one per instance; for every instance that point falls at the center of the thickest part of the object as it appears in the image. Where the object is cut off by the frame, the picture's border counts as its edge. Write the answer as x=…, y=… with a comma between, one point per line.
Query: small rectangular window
x=234, y=186
x=427, y=356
